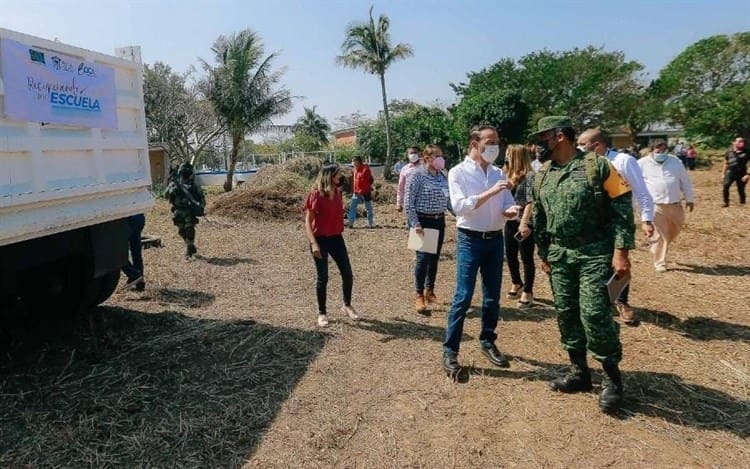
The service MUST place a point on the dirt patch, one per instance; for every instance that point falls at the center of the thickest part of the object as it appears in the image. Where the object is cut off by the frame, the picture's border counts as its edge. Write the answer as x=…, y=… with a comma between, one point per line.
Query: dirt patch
x=219, y=362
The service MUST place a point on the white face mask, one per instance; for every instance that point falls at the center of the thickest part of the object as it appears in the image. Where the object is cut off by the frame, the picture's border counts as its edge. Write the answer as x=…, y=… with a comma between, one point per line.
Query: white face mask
x=413, y=157
x=581, y=148
x=491, y=153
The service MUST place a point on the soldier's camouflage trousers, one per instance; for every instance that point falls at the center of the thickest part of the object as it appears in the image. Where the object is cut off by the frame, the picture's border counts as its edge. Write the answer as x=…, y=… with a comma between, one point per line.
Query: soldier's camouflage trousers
x=584, y=312
x=185, y=223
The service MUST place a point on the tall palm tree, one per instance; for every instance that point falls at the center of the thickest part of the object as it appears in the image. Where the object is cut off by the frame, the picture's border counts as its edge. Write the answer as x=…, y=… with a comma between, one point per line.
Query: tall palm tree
x=314, y=126
x=368, y=46
x=243, y=89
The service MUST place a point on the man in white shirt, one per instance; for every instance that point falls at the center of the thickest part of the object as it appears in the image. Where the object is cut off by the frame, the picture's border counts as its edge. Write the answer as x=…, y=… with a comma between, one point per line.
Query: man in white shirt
x=481, y=199
x=595, y=140
x=667, y=181
x=414, y=163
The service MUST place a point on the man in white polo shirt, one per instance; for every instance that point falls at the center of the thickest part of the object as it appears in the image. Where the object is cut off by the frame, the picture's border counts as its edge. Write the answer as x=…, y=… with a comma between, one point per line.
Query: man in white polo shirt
x=595, y=140
x=481, y=199
x=666, y=180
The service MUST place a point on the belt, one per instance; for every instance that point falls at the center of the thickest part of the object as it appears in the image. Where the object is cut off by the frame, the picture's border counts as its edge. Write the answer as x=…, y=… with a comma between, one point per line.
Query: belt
x=435, y=216
x=575, y=242
x=481, y=234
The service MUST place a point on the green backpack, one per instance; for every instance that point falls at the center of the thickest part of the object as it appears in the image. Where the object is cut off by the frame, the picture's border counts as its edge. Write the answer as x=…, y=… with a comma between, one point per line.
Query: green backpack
x=592, y=176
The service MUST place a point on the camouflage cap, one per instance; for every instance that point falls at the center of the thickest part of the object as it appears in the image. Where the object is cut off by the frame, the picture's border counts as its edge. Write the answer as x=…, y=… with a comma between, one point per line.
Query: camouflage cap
x=553, y=122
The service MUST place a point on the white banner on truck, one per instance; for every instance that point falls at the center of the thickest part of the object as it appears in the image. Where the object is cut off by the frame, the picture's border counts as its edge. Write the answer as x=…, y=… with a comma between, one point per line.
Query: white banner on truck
x=44, y=86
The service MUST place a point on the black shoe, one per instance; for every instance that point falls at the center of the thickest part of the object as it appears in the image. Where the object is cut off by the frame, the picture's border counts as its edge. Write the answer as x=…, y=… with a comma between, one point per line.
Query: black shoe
x=191, y=249
x=578, y=378
x=450, y=363
x=611, y=397
x=140, y=286
x=495, y=356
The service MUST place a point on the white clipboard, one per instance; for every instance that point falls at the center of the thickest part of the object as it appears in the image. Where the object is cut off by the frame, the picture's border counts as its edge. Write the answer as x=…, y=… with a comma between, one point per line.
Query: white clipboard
x=426, y=242
x=615, y=286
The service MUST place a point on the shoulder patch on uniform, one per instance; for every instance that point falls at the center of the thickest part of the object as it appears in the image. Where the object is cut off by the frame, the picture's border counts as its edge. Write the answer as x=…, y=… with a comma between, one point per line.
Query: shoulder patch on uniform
x=615, y=185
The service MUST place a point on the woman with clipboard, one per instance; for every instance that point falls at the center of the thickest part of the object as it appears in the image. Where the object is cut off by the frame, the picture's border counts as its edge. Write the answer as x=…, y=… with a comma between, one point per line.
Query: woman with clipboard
x=426, y=202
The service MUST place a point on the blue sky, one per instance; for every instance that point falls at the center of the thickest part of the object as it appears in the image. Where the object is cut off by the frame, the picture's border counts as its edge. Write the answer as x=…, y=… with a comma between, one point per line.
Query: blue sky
x=449, y=38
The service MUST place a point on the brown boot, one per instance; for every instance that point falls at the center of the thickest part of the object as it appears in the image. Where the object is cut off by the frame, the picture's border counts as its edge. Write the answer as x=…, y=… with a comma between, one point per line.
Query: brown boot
x=419, y=304
x=429, y=296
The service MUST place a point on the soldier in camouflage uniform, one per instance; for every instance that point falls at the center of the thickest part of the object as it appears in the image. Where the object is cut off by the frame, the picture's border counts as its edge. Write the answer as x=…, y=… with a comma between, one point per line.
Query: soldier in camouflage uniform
x=188, y=203
x=583, y=219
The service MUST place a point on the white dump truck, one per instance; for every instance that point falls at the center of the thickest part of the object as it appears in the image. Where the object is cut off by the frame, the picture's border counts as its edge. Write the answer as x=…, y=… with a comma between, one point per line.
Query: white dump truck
x=73, y=166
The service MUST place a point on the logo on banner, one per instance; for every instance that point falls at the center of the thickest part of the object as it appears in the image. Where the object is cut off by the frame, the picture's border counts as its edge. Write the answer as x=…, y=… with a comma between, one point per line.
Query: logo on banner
x=60, y=64
x=36, y=56
x=84, y=69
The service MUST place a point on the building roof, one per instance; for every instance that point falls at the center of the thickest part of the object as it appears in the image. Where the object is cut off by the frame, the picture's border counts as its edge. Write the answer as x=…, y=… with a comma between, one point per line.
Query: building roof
x=343, y=131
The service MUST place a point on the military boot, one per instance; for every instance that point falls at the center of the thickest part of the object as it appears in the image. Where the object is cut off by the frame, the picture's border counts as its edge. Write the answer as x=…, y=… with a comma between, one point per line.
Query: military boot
x=578, y=378
x=611, y=397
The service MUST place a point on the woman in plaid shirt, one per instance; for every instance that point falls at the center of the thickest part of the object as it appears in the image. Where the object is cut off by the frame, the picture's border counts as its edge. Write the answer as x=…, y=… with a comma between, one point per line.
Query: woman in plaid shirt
x=426, y=202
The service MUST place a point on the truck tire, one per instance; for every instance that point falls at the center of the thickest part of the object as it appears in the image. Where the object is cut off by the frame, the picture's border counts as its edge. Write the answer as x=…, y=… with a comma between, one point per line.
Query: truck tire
x=108, y=283
x=56, y=289
x=98, y=290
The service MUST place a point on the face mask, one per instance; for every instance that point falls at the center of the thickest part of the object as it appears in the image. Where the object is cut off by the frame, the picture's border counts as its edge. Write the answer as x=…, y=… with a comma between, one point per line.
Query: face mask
x=413, y=157
x=491, y=153
x=660, y=157
x=543, y=150
x=438, y=163
x=581, y=148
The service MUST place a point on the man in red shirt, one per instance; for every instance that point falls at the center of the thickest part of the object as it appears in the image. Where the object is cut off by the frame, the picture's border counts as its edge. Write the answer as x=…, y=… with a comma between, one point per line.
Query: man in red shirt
x=361, y=192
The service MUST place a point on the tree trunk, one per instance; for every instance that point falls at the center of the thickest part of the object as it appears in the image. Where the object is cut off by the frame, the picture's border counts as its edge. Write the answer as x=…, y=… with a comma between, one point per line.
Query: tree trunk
x=388, y=162
x=236, y=141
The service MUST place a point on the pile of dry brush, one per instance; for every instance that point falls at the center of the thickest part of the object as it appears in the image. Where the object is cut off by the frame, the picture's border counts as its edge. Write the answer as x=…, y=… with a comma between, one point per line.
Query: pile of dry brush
x=278, y=192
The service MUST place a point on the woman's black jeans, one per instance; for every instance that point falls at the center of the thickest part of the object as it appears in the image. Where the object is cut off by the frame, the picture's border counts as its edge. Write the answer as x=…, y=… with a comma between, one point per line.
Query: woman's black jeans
x=512, y=248
x=335, y=247
x=426, y=267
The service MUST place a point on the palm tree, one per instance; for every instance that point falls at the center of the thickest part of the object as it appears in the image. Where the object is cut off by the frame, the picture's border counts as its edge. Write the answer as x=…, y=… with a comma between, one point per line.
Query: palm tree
x=314, y=126
x=242, y=88
x=368, y=46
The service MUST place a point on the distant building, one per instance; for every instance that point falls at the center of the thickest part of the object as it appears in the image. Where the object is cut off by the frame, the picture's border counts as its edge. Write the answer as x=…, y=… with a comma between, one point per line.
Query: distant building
x=159, y=163
x=655, y=130
x=346, y=136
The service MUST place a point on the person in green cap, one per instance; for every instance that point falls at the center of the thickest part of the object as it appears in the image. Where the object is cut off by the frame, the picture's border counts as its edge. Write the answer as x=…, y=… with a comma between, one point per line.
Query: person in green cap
x=582, y=215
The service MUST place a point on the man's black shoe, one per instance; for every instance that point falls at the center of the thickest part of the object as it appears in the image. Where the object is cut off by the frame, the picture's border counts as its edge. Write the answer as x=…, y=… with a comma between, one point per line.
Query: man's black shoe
x=495, y=356
x=450, y=363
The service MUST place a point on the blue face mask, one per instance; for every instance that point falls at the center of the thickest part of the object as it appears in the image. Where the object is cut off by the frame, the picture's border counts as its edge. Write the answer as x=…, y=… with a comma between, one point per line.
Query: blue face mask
x=660, y=157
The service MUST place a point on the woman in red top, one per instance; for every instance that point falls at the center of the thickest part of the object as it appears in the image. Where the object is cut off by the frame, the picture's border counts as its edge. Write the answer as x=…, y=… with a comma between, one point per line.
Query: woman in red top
x=324, y=223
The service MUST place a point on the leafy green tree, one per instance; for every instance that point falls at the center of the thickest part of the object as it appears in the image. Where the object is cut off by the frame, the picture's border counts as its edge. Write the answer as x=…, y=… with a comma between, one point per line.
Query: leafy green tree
x=503, y=109
x=243, y=89
x=588, y=85
x=312, y=129
x=367, y=46
x=705, y=87
x=178, y=115
x=411, y=124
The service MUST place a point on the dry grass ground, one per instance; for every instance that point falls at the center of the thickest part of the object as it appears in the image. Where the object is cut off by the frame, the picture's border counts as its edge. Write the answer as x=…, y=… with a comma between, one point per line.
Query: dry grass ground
x=219, y=363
